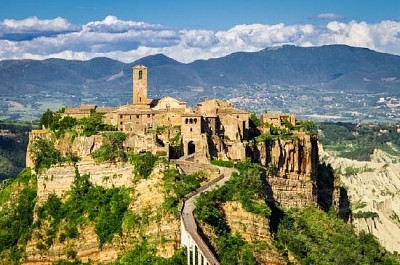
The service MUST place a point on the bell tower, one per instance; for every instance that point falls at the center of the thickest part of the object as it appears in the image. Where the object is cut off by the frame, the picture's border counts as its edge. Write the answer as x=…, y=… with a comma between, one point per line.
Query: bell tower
x=140, y=85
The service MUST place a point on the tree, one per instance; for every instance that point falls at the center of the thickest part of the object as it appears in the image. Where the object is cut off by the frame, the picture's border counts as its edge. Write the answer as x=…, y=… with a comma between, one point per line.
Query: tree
x=44, y=154
x=47, y=119
x=254, y=119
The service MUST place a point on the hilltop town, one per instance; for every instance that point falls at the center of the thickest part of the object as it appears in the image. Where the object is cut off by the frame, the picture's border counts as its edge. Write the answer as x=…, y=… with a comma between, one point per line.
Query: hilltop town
x=174, y=183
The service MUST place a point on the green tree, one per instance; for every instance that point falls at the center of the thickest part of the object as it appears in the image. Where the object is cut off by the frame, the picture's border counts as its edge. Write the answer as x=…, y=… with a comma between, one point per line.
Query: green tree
x=254, y=119
x=112, y=149
x=44, y=154
x=47, y=119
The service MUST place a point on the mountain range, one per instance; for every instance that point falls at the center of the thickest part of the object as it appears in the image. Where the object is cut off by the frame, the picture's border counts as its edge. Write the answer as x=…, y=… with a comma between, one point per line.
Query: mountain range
x=333, y=67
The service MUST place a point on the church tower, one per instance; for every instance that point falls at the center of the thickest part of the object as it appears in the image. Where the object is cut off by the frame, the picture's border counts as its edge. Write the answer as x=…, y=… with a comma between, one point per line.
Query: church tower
x=140, y=85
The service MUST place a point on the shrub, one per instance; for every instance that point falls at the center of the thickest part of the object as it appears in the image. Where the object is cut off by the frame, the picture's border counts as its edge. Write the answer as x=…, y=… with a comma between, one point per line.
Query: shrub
x=254, y=119
x=223, y=163
x=176, y=186
x=105, y=207
x=16, y=220
x=365, y=215
x=112, y=149
x=143, y=163
x=45, y=154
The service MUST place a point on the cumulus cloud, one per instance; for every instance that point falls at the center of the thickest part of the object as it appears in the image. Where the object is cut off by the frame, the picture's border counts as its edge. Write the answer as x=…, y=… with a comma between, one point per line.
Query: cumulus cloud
x=329, y=16
x=130, y=40
x=32, y=27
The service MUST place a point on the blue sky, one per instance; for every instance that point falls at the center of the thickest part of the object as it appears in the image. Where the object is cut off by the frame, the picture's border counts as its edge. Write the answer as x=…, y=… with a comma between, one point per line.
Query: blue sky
x=189, y=30
x=217, y=14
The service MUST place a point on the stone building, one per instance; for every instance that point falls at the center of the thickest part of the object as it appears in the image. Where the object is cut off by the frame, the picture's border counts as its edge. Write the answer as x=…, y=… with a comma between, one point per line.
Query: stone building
x=213, y=129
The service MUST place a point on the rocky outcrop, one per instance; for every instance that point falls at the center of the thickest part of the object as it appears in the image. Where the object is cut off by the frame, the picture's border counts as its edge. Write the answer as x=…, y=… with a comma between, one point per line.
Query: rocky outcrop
x=291, y=169
x=252, y=228
x=160, y=229
x=58, y=178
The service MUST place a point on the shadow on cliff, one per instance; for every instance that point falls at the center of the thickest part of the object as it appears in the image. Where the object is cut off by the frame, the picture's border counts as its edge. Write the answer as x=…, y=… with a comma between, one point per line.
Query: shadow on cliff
x=329, y=194
x=277, y=213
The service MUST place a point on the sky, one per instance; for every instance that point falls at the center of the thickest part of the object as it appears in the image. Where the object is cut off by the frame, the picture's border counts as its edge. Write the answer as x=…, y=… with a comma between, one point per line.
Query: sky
x=185, y=30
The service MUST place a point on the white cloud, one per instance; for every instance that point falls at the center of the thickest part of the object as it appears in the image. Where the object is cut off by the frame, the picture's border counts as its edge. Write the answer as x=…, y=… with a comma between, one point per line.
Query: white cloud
x=329, y=16
x=131, y=40
x=112, y=24
x=34, y=24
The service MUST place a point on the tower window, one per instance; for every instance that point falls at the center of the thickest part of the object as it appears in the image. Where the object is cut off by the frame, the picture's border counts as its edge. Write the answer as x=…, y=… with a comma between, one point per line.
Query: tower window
x=140, y=74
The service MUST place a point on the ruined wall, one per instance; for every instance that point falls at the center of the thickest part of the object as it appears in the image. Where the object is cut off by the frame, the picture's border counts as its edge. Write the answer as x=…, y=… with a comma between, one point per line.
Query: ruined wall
x=291, y=169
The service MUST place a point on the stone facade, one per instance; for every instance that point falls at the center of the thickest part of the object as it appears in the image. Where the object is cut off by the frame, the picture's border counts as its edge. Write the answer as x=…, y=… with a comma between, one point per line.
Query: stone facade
x=214, y=129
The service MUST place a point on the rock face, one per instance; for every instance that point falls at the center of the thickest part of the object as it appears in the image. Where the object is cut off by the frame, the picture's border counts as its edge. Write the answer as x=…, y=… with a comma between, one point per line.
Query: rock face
x=252, y=228
x=58, y=178
x=372, y=186
x=159, y=228
x=291, y=169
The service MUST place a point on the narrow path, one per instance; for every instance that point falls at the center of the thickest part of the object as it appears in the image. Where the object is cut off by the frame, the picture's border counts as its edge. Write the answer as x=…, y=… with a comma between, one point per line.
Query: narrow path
x=189, y=222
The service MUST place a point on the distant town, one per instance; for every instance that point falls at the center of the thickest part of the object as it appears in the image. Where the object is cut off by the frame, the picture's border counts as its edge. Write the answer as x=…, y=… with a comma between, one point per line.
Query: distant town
x=307, y=102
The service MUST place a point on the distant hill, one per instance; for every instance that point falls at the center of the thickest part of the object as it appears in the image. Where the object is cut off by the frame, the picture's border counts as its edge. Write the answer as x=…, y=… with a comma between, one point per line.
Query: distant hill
x=336, y=67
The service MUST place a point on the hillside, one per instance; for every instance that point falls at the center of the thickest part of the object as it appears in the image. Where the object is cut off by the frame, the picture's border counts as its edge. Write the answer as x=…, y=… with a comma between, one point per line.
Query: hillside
x=372, y=188
x=87, y=200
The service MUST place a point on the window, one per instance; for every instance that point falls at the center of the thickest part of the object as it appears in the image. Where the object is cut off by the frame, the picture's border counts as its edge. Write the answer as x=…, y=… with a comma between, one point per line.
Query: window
x=137, y=116
x=140, y=74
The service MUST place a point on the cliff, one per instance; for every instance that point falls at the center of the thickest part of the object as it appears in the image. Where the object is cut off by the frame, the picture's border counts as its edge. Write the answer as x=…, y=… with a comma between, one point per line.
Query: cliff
x=291, y=169
x=146, y=200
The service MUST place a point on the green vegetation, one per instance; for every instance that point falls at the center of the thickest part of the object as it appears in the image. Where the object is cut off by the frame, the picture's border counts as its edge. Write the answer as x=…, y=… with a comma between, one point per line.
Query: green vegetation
x=143, y=163
x=275, y=133
x=246, y=187
x=143, y=254
x=357, y=205
x=176, y=140
x=112, y=149
x=365, y=215
x=223, y=163
x=13, y=148
x=395, y=217
x=16, y=216
x=89, y=125
x=93, y=124
x=358, y=141
x=45, y=154
x=176, y=186
x=254, y=119
x=306, y=126
x=316, y=237
x=160, y=129
x=104, y=207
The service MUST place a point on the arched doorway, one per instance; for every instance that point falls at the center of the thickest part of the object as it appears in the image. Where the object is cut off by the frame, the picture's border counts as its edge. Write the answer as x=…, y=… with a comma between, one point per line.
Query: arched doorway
x=191, y=148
